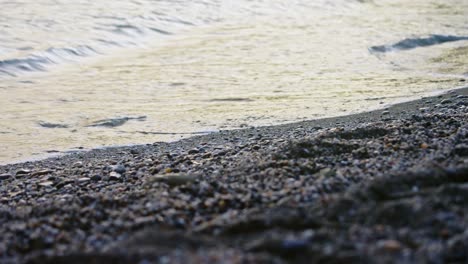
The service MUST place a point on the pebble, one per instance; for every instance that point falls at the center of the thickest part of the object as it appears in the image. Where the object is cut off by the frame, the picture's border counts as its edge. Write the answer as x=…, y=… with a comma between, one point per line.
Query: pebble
x=84, y=179
x=78, y=164
x=114, y=176
x=389, y=245
x=119, y=168
x=5, y=176
x=193, y=151
x=446, y=101
x=134, y=151
x=327, y=172
x=41, y=172
x=96, y=178
x=207, y=155
x=424, y=109
x=63, y=184
x=219, y=152
x=255, y=147
x=23, y=172
x=46, y=183
x=174, y=179
x=461, y=149
x=294, y=245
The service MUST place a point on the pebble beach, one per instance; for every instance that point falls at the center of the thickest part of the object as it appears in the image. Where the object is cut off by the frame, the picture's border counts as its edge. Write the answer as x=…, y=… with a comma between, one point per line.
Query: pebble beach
x=388, y=186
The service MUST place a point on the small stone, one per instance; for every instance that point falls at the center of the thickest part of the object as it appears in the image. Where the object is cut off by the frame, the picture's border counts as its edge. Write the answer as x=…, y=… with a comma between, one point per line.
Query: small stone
x=118, y=168
x=5, y=176
x=294, y=245
x=207, y=155
x=46, y=183
x=461, y=149
x=153, y=170
x=96, y=178
x=133, y=151
x=327, y=172
x=389, y=245
x=193, y=151
x=219, y=152
x=445, y=233
x=362, y=153
x=84, y=179
x=23, y=172
x=423, y=109
x=78, y=164
x=385, y=112
x=41, y=172
x=114, y=176
x=222, y=204
x=424, y=146
x=144, y=220
x=446, y=101
x=173, y=179
x=63, y=184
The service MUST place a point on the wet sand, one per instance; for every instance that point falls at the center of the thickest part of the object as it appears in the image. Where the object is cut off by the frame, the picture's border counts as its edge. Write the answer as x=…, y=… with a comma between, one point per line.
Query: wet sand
x=380, y=187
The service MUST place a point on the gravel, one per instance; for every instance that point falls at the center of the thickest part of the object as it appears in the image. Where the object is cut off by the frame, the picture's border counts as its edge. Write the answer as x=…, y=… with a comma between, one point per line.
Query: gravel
x=381, y=187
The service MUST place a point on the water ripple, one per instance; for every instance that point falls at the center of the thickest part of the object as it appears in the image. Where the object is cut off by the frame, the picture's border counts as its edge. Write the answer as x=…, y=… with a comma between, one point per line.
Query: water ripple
x=412, y=43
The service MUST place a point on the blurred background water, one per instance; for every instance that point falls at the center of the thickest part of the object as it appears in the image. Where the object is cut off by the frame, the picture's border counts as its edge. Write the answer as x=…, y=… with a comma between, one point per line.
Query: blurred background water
x=83, y=74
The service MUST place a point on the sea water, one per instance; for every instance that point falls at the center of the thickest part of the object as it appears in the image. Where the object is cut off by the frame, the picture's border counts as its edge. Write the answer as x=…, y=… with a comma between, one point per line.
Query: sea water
x=83, y=74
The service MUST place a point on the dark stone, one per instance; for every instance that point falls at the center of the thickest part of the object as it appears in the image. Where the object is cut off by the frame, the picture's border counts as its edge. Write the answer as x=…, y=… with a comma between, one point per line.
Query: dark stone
x=118, y=168
x=134, y=151
x=114, y=176
x=41, y=172
x=5, y=176
x=461, y=149
x=173, y=179
x=207, y=155
x=96, y=178
x=193, y=151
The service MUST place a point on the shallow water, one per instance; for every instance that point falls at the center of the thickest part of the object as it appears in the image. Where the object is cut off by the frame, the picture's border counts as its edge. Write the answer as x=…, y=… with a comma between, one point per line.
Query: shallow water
x=86, y=74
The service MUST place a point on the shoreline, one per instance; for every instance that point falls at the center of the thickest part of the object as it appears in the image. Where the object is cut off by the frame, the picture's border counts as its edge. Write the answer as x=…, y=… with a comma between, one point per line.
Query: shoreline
x=408, y=104
x=373, y=187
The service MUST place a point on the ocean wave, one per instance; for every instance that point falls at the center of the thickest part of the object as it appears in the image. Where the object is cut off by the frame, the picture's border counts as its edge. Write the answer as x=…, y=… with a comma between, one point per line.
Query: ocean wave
x=39, y=62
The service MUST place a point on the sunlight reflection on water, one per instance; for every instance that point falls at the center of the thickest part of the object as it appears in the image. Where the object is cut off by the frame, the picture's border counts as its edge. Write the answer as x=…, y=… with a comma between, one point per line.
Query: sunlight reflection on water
x=226, y=65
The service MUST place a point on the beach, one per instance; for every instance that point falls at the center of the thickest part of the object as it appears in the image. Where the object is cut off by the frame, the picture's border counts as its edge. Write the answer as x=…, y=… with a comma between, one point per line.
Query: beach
x=145, y=71
x=378, y=187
